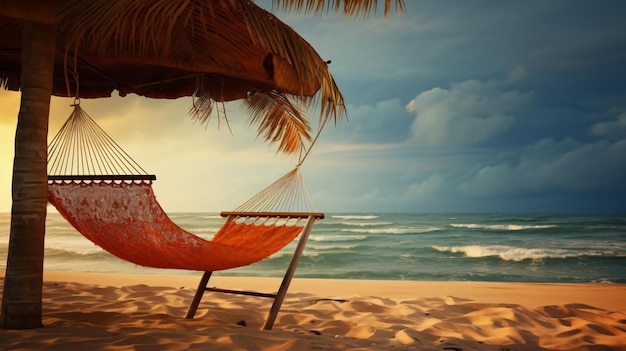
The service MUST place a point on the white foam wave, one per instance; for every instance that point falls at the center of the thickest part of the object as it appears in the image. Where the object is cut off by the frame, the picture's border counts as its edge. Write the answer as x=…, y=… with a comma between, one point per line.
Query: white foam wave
x=365, y=224
x=355, y=216
x=204, y=230
x=510, y=253
x=337, y=237
x=411, y=230
x=212, y=217
x=330, y=247
x=502, y=226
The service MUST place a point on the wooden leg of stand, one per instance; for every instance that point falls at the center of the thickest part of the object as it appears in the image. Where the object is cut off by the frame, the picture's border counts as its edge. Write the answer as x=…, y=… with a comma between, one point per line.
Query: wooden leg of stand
x=282, y=291
x=198, y=296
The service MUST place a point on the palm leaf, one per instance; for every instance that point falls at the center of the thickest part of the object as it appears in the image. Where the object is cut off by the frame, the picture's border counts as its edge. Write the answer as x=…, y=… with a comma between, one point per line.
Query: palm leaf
x=310, y=68
x=279, y=120
x=345, y=7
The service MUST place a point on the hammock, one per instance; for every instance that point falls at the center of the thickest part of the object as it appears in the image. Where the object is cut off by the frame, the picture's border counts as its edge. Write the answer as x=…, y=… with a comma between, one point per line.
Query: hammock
x=108, y=198
x=126, y=220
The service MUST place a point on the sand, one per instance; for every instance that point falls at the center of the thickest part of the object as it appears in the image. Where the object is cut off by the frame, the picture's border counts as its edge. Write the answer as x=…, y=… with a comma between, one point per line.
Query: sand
x=92, y=311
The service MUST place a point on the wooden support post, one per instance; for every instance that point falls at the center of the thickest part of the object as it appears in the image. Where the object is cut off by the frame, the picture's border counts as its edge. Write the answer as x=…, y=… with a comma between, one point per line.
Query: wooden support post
x=198, y=296
x=202, y=287
x=282, y=291
x=279, y=297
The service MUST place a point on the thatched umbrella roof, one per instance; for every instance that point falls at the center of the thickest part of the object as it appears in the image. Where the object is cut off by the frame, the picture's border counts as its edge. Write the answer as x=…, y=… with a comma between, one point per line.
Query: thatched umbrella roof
x=216, y=51
x=208, y=45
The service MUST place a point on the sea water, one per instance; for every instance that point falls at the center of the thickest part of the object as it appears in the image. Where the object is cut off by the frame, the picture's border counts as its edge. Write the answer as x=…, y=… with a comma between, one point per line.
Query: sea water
x=576, y=248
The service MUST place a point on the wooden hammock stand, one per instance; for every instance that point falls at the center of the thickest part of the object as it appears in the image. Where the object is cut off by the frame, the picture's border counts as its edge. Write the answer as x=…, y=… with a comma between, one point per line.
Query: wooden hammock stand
x=279, y=296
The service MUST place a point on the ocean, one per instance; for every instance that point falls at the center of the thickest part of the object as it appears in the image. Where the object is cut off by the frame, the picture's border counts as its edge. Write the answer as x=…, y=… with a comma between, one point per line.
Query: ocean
x=551, y=248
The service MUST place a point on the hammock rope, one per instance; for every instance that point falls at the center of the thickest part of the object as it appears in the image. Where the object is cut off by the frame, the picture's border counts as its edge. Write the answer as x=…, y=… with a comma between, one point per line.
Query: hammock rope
x=83, y=149
x=288, y=194
x=99, y=189
x=308, y=151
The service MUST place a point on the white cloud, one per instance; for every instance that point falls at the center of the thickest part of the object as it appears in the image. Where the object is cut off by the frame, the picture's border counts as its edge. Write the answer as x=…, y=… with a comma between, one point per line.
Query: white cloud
x=467, y=114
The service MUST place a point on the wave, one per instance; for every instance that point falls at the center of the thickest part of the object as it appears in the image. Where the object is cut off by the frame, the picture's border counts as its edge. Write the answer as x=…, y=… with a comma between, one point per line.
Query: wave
x=412, y=230
x=502, y=226
x=204, y=230
x=330, y=247
x=365, y=224
x=337, y=237
x=355, y=216
x=212, y=216
x=517, y=254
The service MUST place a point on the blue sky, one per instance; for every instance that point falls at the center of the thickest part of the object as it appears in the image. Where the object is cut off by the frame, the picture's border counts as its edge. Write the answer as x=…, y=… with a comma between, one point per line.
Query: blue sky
x=481, y=106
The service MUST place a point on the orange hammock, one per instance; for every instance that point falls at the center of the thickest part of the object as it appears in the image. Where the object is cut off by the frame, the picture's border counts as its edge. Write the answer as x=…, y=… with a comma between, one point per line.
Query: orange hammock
x=108, y=198
x=126, y=220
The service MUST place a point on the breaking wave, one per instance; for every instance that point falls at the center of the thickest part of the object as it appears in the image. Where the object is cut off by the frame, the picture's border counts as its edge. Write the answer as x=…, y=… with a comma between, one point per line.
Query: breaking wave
x=510, y=253
x=502, y=226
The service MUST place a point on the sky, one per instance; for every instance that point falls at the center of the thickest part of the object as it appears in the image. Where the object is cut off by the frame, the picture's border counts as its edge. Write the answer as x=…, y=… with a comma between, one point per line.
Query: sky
x=456, y=106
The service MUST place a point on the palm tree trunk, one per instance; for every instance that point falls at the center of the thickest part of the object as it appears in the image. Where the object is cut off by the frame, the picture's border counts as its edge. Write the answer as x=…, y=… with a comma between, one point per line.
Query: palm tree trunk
x=22, y=296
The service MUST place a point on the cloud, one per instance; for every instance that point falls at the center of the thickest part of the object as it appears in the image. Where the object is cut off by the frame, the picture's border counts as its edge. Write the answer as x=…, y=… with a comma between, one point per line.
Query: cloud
x=467, y=114
x=516, y=74
x=426, y=194
x=448, y=161
x=548, y=166
x=546, y=175
x=445, y=114
x=612, y=130
x=384, y=122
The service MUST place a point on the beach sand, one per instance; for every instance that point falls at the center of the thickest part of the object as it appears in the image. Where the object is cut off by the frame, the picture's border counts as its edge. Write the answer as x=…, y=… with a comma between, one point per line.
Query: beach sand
x=93, y=311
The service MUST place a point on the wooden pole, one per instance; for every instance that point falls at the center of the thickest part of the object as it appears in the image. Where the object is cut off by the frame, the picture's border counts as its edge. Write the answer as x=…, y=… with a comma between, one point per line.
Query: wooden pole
x=282, y=291
x=201, y=288
x=198, y=296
